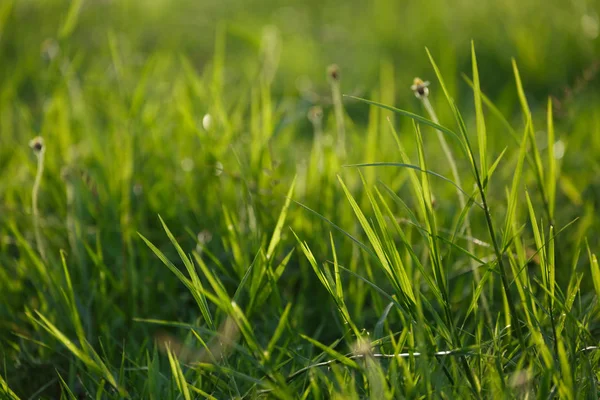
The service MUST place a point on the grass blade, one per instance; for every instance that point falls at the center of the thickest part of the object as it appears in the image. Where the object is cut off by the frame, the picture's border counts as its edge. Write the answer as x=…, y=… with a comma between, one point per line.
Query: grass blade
x=414, y=117
x=552, y=174
x=481, y=132
x=276, y=237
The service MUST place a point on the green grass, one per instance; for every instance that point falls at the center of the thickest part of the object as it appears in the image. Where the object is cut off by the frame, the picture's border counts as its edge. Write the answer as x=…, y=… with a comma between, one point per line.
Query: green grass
x=214, y=215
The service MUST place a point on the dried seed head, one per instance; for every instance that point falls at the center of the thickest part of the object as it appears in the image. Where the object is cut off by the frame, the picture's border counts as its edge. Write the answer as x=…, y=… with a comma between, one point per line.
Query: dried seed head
x=315, y=114
x=207, y=122
x=420, y=88
x=37, y=144
x=203, y=238
x=218, y=168
x=333, y=73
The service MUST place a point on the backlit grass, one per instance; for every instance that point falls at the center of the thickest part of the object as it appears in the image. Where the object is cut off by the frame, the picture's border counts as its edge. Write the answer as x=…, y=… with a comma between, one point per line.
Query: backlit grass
x=218, y=210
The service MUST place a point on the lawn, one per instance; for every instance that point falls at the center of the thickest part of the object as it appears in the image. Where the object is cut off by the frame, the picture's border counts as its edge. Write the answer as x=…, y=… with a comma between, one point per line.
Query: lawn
x=299, y=199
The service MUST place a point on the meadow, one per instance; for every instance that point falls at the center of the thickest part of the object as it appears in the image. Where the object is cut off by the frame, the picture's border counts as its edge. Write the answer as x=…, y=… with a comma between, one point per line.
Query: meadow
x=300, y=199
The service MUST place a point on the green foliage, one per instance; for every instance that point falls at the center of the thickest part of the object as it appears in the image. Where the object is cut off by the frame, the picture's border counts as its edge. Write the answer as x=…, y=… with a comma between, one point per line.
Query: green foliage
x=189, y=233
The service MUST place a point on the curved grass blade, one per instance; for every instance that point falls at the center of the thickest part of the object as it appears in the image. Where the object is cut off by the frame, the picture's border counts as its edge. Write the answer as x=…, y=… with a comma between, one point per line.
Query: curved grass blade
x=336, y=355
x=494, y=110
x=355, y=240
x=415, y=167
x=416, y=118
x=5, y=390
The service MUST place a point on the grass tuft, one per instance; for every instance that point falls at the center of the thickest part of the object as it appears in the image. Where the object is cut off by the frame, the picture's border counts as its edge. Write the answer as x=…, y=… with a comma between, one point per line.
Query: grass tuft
x=211, y=217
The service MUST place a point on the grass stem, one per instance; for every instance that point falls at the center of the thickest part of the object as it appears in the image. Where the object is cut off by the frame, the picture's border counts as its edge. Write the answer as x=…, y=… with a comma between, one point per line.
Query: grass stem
x=37, y=145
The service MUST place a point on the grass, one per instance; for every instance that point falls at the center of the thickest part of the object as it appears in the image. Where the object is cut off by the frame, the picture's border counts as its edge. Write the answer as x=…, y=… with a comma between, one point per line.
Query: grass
x=200, y=222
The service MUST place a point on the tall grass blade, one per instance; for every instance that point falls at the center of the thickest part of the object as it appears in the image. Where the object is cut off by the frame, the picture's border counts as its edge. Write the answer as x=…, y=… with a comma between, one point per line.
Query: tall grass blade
x=415, y=117
x=481, y=131
x=552, y=173
x=276, y=237
x=71, y=19
x=6, y=391
x=180, y=381
x=332, y=353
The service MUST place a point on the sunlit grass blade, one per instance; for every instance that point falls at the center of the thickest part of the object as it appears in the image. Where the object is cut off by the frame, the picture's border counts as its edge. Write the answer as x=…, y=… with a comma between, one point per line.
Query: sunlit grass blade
x=332, y=353
x=247, y=332
x=414, y=167
x=255, y=282
x=397, y=266
x=539, y=242
x=5, y=12
x=69, y=296
x=374, y=286
x=414, y=117
x=339, y=288
x=67, y=392
x=462, y=250
x=194, y=284
x=262, y=383
x=573, y=291
x=552, y=173
x=417, y=262
x=430, y=221
x=493, y=167
x=166, y=261
x=233, y=241
x=276, y=237
x=595, y=271
x=515, y=187
x=551, y=261
x=279, y=330
x=375, y=242
x=489, y=222
x=315, y=266
x=5, y=390
x=463, y=138
x=521, y=92
x=331, y=284
x=338, y=228
x=178, y=375
x=260, y=292
x=495, y=111
x=215, y=283
x=565, y=383
x=71, y=19
x=535, y=154
x=481, y=131
x=85, y=354
x=477, y=293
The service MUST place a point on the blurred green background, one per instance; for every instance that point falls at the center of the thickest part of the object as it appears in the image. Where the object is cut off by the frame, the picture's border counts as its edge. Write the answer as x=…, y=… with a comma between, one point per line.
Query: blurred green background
x=554, y=41
x=119, y=89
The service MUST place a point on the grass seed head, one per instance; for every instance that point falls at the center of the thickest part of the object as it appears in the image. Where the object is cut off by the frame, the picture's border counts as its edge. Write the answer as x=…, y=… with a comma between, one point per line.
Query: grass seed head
x=333, y=73
x=37, y=145
x=207, y=122
x=315, y=114
x=419, y=87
